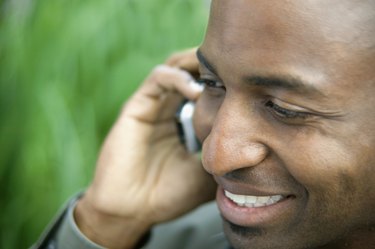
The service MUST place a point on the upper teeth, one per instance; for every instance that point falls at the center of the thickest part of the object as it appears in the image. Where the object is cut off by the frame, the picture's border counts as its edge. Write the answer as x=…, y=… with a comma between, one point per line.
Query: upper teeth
x=253, y=201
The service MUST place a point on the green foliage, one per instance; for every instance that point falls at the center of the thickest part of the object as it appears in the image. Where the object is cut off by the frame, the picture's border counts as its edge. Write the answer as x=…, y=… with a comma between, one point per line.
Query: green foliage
x=66, y=67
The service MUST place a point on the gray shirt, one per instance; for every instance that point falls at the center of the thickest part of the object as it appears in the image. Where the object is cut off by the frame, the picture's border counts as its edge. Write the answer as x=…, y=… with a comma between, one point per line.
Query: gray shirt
x=200, y=229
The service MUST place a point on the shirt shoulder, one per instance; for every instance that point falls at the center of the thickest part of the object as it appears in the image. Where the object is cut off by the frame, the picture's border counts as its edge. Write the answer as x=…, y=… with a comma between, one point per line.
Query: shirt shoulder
x=201, y=228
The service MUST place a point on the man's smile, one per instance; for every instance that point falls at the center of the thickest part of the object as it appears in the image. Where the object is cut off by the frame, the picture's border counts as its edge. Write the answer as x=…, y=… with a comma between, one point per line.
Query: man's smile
x=252, y=200
x=257, y=209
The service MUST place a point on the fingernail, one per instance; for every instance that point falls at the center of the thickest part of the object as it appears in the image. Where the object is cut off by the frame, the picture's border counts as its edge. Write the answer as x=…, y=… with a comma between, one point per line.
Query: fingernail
x=196, y=86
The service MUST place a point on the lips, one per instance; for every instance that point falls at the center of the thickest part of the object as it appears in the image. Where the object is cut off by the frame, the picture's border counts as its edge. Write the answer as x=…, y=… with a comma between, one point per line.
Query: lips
x=246, y=206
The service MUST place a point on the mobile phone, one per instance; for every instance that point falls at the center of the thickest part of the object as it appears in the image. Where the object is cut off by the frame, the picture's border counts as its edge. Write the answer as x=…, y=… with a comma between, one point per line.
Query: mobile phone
x=185, y=128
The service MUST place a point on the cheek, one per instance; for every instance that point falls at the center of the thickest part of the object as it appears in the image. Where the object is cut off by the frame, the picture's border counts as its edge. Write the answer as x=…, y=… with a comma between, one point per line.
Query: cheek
x=323, y=164
x=318, y=162
x=337, y=178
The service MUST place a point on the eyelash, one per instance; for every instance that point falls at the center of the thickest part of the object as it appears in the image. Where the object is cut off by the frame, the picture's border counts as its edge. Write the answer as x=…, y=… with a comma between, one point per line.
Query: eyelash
x=210, y=83
x=286, y=113
x=280, y=111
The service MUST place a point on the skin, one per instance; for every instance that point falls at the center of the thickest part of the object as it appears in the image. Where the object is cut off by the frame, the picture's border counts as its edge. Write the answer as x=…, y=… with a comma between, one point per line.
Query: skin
x=313, y=144
x=324, y=159
x=144, y=175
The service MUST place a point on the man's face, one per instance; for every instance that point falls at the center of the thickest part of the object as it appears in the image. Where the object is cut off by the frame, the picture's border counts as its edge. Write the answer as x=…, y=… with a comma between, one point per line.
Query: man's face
x=287, y=120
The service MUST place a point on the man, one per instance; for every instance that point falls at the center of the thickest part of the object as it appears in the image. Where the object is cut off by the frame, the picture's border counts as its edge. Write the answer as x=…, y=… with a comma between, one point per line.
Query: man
x=287, y=126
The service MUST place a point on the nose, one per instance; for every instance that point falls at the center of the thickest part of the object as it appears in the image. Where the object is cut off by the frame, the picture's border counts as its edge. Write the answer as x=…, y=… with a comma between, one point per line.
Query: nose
x=234, y=141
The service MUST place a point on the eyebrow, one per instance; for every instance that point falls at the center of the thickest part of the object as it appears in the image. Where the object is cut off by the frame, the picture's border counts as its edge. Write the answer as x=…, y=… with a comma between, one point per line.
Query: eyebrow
x=290, y=83
x=202, y=59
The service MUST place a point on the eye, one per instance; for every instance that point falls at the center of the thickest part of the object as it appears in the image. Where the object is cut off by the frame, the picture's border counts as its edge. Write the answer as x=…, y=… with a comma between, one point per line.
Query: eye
x=208, y=83
x=287, y=114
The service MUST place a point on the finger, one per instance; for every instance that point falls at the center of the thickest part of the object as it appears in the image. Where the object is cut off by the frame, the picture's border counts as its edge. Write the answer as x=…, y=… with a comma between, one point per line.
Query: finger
x=161, y=93
x=186, y=60
x=165, y=79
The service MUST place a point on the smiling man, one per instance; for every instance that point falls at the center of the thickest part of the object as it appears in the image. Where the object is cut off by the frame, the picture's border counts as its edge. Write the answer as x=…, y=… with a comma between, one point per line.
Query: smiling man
x=291, y=136
x=287, y=125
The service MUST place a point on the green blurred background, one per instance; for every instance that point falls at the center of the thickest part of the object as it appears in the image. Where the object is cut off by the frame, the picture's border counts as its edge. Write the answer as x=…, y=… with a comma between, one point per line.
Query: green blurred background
x=66, y=67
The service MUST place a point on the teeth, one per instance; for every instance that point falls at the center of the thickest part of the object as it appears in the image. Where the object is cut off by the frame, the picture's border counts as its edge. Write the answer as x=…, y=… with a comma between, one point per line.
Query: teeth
x=253, y=201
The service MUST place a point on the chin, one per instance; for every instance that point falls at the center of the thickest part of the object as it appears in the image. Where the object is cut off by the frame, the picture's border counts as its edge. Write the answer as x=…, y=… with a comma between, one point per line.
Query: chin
x=257, y=238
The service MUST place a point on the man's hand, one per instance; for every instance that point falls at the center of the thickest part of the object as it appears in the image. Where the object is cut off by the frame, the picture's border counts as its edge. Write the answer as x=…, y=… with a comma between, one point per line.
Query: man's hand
x=144, y=175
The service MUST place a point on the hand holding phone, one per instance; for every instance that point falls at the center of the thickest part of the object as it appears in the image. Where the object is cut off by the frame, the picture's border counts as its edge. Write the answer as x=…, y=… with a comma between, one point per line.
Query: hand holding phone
x=142, y=177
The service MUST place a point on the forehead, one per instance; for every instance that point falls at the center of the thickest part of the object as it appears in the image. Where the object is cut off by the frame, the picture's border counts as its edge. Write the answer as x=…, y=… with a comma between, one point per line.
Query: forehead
x=339, y=21
x=313, y=37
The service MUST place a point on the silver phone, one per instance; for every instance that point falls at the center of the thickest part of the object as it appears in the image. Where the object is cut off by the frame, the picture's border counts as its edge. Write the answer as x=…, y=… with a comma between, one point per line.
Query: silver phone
x=184, y=120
